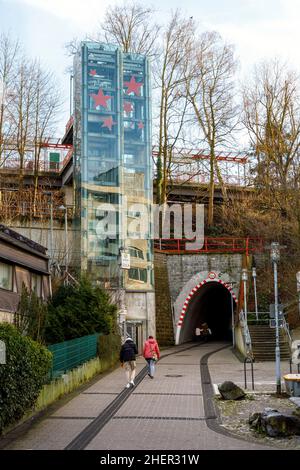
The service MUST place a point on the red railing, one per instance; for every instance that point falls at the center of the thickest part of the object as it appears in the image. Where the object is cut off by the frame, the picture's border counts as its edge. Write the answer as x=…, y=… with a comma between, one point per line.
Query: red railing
x=211, y=245
x=69, y=123
x=66, y=159
x=11, y=165
x=230, y=180
x=183, y=154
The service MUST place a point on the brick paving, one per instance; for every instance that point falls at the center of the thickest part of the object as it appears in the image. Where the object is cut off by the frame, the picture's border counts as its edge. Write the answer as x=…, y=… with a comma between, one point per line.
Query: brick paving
x=224, y=365
x=52, y=434
x=165, y=413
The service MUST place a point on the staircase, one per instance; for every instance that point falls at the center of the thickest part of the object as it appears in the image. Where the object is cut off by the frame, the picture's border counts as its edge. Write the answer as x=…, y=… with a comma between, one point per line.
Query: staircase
x=263, y=340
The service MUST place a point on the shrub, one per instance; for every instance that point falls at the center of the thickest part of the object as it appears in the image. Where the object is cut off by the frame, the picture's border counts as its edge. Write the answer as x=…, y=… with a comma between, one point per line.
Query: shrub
x=30, y=318
x=23, y=375
x=79, y=310
x=109, y=347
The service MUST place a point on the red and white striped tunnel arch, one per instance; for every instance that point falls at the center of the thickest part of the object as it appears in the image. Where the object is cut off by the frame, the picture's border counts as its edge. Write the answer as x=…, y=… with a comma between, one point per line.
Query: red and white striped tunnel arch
x=195, y=289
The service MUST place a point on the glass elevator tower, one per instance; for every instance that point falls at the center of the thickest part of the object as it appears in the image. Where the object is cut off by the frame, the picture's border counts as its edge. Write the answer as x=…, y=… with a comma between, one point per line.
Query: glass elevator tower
x=113, y=173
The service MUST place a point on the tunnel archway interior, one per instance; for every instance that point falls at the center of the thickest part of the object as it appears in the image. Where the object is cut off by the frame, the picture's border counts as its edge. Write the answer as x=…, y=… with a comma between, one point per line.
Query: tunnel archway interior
x=212, y=304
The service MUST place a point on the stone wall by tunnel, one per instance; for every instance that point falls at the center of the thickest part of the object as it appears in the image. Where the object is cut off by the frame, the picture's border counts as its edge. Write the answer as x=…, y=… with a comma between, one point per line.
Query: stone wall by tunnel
x=182, y=268
x=187, y=272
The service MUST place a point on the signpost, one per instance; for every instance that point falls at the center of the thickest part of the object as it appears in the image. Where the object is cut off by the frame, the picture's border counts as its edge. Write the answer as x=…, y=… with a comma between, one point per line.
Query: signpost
x=273, y=316
x=124, y=264
x=273, y=323
x=280, y=311
x=125, y=260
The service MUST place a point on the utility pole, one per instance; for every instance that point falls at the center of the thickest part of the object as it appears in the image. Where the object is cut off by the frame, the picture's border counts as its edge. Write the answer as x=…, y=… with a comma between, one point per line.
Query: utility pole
x=51, y=228
x=66, y=238
x=245, y=279
x=275, y=256
x=124, y=263
x=298, y=290
x=255, y=292
x=232, y=322
x=247, y=336
x=232, y=315
x=49, y=193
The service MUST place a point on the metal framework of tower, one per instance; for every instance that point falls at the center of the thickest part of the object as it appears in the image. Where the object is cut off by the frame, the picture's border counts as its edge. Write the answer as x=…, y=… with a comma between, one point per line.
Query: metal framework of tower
x=193, y=166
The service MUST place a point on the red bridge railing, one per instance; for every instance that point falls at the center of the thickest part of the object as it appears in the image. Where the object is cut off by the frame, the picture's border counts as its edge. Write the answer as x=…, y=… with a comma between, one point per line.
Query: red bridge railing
x=211, y=245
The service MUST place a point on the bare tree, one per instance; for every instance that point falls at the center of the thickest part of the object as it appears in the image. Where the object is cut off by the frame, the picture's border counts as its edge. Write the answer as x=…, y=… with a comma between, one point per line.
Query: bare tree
x=210, y=90
x=170, y=76
x=9, y=54
x=131, y=26
x=272, y=118
x=45, y=109
x=33, y=112
x=21, y=111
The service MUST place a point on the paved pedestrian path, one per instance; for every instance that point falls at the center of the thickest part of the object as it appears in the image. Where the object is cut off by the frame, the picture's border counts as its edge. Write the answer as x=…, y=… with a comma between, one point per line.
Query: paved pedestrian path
x=166, y=413
x=224, y=365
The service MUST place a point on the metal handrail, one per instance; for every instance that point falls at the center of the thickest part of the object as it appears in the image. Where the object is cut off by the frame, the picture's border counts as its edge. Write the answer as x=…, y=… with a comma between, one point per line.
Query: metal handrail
x=248, y=360
x=262, y=321
x=259, y=313
x=212, y=245
x=287, y=330
x=256, y=320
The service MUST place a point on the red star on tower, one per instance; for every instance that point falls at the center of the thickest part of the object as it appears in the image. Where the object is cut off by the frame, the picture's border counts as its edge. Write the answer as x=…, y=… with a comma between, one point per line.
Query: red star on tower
x=93, y=72
x=128, y=107
x=100, y=99
x=108, y=122
x=141, y=125
x=133, y=86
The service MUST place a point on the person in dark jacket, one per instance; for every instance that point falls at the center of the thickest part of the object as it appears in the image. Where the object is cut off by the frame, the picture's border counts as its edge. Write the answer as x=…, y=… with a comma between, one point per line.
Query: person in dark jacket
x=127, y=359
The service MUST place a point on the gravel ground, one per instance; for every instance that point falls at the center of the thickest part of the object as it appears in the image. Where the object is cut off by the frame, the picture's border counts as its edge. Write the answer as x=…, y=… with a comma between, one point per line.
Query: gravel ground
x=235, y=415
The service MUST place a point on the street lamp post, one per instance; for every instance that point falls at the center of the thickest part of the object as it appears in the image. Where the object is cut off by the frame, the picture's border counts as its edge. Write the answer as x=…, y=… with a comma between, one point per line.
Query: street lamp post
x=232, y=323
x=232, y=316
x=298, y=289
x=245, y=279
x=124, y=263
x=66, y=238
x=255, y=293
x=275, y=256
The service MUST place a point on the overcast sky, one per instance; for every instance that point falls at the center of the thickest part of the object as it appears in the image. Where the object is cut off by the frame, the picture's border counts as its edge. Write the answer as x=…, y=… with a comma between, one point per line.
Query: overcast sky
x=258, y=28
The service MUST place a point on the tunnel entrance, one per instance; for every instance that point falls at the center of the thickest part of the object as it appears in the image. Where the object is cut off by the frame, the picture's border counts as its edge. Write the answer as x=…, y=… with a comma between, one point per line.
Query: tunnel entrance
x=212, y=304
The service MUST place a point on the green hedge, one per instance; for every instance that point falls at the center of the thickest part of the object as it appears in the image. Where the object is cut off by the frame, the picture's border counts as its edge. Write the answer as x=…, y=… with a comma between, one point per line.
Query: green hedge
x=23, y=375
x=76, y=311
x=109, y=347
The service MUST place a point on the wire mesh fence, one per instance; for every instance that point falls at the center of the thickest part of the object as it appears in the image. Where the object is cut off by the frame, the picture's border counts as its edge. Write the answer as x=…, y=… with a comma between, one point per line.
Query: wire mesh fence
x=70, y=354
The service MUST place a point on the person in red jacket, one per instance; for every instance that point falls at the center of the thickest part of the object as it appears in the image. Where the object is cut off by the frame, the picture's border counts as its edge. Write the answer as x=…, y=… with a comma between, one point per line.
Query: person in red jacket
x=151, y=354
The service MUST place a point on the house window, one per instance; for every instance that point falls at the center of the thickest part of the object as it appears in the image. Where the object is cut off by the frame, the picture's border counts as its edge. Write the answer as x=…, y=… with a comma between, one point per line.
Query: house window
x=143, y=275
x=138, y=274
x=6, y=278
x=22, y=278
x=36, y=284
x=136, y=253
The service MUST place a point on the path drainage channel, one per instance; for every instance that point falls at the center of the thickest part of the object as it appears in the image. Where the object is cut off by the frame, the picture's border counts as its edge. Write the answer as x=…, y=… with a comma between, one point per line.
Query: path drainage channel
x=81, y=441
x=173, y=375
